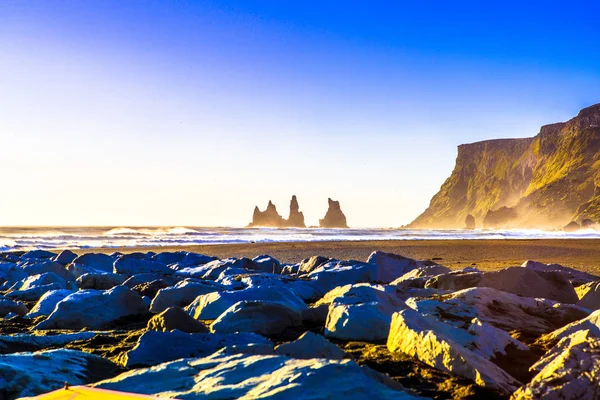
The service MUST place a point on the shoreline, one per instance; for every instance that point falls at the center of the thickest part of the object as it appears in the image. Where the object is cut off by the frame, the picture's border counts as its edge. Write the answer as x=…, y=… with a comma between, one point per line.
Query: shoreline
x=485, y=254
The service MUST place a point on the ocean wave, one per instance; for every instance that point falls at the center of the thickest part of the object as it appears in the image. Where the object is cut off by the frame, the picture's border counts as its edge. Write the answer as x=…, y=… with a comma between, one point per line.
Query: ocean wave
x=115, y=237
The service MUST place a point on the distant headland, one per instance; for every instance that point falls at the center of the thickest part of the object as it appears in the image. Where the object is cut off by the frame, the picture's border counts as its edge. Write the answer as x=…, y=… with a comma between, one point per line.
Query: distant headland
x=334, y=218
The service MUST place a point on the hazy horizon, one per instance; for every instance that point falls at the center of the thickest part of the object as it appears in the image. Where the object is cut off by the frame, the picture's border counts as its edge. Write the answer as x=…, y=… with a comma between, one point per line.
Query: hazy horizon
x=151, y=113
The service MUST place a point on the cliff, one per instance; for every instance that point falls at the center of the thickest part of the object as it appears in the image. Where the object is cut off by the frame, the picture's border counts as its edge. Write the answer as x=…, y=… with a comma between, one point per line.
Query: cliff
x=334, y=218
x=541, y=182
x=271, y=218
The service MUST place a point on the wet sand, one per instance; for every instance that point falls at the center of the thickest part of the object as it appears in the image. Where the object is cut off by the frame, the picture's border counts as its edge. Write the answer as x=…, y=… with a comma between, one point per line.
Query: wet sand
x=583, y=254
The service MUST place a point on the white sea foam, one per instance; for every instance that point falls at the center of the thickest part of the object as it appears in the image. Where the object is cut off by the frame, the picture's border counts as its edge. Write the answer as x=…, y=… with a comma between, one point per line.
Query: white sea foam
x=82, y=237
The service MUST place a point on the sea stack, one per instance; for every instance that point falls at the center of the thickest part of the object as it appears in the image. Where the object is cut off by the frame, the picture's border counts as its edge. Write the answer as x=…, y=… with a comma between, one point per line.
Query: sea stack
x=470, y=222
x=296, y=218
x=269, y=217
x=334, y=218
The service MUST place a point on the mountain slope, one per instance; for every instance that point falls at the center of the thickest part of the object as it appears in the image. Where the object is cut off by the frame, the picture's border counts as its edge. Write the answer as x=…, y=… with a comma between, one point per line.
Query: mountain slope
x=539, y=182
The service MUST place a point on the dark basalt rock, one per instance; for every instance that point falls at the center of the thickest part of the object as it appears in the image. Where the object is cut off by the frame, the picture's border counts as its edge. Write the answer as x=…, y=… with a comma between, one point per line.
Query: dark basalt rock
x=470, y=222
x=334, y=218
x=271, y=218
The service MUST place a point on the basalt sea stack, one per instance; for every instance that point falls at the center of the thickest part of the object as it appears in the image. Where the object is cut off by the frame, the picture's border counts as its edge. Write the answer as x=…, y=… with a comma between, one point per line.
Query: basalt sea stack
x=334, y=218
x=271, y=218
x=546, y=181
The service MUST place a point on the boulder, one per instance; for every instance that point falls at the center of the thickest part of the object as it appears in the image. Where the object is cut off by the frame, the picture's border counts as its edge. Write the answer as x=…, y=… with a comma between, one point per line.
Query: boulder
x=456, y=280
x=213, y=269
x=47, y=303
x=247, y=376
x=570, y=370
x=591, y=298
x=339, y=273
x=462, y=352
x=139, y=279
x=528, y=316
x=591, y=324
x=258, y=316
x=10, y=273
x=423, y=272
x=525, y=282
x=212, y=305
x=65, y=257
x=34, y=293
x=184, y=345
x=266, y=263
x=8, y=306
x=334, y=218
x=34, y=281
x=167, y=258
x=150, y=289
x=100, y=281
x=190, y=260
x=98, y=262
x=360, y=312
x=308, y=265
x=391, y=266
x=38, y=255
x=182, y=294
x=576, y=277
x=310, y=345
x=22, y=342
x=40, y=267
x=31, y=374
x=175, y=318
x=128, y=265
x=94, y=309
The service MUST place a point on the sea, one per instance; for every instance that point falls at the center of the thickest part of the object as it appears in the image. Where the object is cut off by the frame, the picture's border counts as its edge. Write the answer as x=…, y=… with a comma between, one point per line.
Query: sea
x=49, y=238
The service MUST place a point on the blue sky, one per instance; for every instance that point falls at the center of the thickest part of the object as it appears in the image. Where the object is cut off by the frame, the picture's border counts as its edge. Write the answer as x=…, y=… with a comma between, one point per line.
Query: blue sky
x=192, y=112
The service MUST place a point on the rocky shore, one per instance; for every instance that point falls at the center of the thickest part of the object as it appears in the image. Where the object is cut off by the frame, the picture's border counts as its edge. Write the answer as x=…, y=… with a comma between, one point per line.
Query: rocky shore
x=188, y=325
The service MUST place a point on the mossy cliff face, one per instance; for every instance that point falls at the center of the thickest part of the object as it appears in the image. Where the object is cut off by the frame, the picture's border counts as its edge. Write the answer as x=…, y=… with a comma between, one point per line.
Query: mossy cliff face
x=540, y=182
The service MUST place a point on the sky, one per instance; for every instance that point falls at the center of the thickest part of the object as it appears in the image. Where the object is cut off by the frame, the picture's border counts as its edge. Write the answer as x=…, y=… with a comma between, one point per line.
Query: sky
x=190, y=113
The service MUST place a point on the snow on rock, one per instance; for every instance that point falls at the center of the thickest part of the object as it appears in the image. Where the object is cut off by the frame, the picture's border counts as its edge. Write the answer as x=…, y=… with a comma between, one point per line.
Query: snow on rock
x=8, y=306
x=131, y=265
x=212, y=305
x=32, y=342
x=48, y=302
x=100, y=281
x=458, y=351
x=176, y=344
x=246, y=376
x=576, y=277
x=94, y=309
x=182, y=294
x=175, y=318
x=570, y=370
x=30, y=374
x=310, y=345
x=591, y=297
x=503, y=310
x=259, y=316
x=391, y=266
